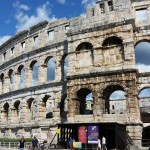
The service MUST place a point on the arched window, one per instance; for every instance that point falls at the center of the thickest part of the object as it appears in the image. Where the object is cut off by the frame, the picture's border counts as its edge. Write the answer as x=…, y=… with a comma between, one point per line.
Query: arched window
x=111, y=41
x=11, y=77
x=6, y=111
x=2, y=80
x=84, y=102
x=64, y=68
x=30, y=108
x=34, y=67
x=84, y=50
x=51, y=66
x=142, y=55
x=144, y=104
x=16, y=112
x=115, y=100
x=21, y=71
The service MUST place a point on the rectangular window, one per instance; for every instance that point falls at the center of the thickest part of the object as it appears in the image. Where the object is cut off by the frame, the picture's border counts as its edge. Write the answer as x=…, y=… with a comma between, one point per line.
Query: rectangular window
x=4, y=55
x=110, y=5
x=141, y=14
x=36, y=40
x=113, y=107
x=102, y=7
x=12, y=50
x=23, y=44
x=67, y=28
x=51, y=35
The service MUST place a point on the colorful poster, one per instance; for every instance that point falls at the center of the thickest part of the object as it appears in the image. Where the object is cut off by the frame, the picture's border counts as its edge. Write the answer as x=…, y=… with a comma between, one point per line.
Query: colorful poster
x=82, y=136
x=93, y=134
x=77, y=145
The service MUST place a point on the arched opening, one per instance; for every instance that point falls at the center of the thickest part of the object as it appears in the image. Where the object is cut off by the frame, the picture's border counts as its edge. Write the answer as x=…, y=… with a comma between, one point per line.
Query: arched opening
x=51, y=67
x=34, y=67
x=144, y=103
x=84, y=102
x=16, y=111
x=117, y=102
x=84, y=50
x=64, y=68
x=142, y=54
x=116, y=43
x=112, y=93
x=21, y=71
x=6, y=112
x=11, y=77
x=2, y=81
x=47, y=107
x=112, y=41
x=29, y=110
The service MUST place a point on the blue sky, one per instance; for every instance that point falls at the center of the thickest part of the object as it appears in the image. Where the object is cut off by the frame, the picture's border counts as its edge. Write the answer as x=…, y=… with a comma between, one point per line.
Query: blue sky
x=18, y=15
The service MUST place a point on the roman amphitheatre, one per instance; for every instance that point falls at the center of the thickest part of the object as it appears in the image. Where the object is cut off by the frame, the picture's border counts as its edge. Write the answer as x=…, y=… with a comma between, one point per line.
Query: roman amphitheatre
x=62, y=74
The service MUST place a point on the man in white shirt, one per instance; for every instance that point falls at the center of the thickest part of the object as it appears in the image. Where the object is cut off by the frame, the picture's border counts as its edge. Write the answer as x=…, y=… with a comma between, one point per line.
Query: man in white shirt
x=104, y=143
x=99, y=144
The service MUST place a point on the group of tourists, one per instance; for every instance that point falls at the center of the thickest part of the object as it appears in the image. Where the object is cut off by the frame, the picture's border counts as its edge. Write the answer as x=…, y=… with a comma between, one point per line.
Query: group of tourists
x=102, y=145
x=33, y=146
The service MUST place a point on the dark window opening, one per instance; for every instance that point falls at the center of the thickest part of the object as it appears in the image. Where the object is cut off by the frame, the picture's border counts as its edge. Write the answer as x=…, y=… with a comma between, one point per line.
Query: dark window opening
x=112, y=41
x=84, y=46
x=102, y=7
x=4, y=55
x=12, y=50
x=110, y=5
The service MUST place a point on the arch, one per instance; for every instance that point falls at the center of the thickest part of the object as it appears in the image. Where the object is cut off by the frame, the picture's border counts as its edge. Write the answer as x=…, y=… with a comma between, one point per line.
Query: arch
x=16, y=110
x=51, y=67
x=29, y=109
x=141, y=40
x=84, y=46
x=34, y=68
x=107, y=92
x=113, y=40
x=6, y=111
x=2, y=77
x=142, y=54
x=82, y=102
x=21, y=71
x=11, y=77
x=64, y=67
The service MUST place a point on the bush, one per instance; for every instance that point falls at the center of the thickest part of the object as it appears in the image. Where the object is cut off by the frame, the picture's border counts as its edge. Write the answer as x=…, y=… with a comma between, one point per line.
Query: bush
x=14, y=140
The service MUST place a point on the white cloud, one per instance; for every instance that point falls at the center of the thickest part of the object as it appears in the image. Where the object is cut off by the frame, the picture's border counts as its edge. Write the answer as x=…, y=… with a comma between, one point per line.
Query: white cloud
x=89, y=3
x=24, y=21
x=21, y=6
x=117, y=95
x=4, y=38
x=61, y=1
x=143, y=68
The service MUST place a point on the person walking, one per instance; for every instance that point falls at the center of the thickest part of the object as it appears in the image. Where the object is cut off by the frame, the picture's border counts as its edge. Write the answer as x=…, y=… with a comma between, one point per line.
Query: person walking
x=21, y=143
x=71, y=143
x=104, y=143
x=35, y=143
x=99, y=144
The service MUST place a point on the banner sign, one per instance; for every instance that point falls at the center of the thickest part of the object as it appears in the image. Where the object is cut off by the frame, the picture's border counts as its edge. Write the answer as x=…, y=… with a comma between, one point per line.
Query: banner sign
x=77, y=145
x=93, y=132
x=82, y=134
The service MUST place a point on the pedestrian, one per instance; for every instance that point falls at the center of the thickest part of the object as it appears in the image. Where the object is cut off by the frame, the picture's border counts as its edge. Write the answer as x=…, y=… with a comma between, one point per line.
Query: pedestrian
x=71, y=143
x=49, y=136
x=35, y=143
x=21, y=143
x=104, y=143
x=99, y=144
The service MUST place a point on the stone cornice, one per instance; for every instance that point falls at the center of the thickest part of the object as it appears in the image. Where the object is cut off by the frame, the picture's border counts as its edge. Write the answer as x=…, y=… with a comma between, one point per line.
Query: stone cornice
x=104, y=73
x=31, y=53
x=30, y=89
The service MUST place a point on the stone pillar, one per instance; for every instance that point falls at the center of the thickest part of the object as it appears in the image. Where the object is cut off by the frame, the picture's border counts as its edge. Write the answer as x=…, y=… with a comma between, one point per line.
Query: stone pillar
x=7, y=84
x=16, y=82
x=58, y=69
x=97, y=10
x=42, y=72
x=135, y=132
x=89, y=12
x=23, y=112
x=28, y=75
